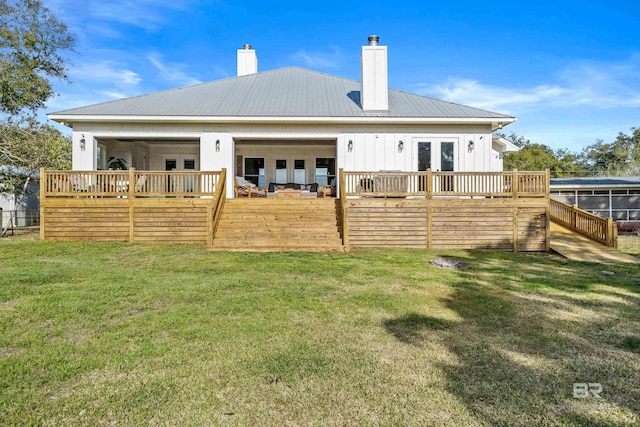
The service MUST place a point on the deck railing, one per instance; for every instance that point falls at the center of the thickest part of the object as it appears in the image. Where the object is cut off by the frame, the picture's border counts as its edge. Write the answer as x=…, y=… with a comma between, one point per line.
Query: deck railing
x=431, y=184
x=602, y=230
x=216, y=207
x=129, y=183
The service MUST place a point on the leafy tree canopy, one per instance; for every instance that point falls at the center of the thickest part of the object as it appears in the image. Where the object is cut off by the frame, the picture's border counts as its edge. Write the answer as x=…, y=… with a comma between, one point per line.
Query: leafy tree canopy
x=32, y=43
x=617, y=158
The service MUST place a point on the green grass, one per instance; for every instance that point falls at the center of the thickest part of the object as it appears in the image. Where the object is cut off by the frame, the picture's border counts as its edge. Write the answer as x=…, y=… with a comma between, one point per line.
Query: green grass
x=119, y=334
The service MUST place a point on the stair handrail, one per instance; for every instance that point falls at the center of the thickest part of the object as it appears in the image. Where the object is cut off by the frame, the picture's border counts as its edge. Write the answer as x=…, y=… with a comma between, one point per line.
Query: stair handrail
x=217, y=204
x=601, y=230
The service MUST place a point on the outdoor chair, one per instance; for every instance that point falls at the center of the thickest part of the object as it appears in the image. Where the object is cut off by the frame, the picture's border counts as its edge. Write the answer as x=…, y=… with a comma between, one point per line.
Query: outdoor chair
x=244, y=188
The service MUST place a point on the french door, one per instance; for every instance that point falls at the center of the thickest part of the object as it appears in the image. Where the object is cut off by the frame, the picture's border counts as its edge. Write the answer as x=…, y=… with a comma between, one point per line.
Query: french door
x=438, y=155
x=290, y=169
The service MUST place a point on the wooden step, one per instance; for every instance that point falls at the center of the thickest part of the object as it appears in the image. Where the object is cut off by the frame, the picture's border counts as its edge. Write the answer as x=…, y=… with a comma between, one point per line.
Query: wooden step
x=279, y=225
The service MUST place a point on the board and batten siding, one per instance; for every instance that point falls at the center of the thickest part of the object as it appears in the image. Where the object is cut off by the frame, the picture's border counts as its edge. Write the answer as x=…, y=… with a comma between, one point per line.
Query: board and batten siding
x=374, y=148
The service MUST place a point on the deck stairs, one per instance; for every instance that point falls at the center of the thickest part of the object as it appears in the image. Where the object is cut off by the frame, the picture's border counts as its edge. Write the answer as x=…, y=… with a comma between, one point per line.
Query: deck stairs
x=279, y=225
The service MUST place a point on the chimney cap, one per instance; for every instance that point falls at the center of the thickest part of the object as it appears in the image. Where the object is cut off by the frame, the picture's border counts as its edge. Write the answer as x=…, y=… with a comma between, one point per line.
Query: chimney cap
x=247, y=46
x=373, y=40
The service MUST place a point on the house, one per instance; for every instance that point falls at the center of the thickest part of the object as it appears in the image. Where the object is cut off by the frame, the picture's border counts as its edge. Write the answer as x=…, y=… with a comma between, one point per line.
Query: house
x=288, y=125
x=403, y=170
x=27, y=212
x=608, y=197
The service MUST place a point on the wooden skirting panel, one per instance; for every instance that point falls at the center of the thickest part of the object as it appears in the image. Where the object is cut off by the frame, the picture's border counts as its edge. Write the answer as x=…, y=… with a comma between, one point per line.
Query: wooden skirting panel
x=138, y=220
x=504, y=224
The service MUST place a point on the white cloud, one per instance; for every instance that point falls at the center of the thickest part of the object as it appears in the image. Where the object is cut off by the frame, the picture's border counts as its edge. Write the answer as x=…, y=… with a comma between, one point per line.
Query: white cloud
x=147, y=14
x=601, y=86
x=172, y=72
x=105, y=71
x=318, y=59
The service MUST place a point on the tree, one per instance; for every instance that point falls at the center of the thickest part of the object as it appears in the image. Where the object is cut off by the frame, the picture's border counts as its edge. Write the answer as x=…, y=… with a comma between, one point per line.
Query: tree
x=534, y=156
x=620, y=157
x=32, y=43
x=23, y=151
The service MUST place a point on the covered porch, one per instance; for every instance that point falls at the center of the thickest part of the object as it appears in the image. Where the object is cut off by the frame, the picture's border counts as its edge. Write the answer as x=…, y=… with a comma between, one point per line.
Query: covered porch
x=262, y=159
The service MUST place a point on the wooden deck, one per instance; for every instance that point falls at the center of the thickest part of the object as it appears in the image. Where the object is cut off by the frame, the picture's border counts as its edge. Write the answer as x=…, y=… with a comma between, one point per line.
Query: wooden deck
x=130, y=206
x=576, y=247
x=472, y=210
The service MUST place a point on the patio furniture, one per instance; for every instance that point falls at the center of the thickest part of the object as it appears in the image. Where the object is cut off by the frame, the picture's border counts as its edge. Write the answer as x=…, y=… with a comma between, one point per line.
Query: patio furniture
x=244, y=188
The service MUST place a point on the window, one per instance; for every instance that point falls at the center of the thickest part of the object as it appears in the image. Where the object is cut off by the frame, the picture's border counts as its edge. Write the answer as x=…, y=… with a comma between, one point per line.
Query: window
x=281, y=171
x=101, y=153
x=446, y=154
x=325, y=171
x=170, y=164
x=189, y=165
x=254, y=170
x=299, y=173
x=424, y=156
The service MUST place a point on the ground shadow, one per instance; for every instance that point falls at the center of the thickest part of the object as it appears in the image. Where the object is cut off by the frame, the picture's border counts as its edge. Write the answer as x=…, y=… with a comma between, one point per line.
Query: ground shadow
x=519, y=352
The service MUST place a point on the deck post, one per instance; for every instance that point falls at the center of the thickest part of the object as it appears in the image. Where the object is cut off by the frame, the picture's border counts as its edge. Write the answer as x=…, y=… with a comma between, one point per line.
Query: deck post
x=514, y=184
x=429, y=184
x=610, y=241
x=574, y=216
x=43, y=195
x=547, y=183
x=130, y=197
x=343, y=207
x=429, y=227
x=515, y=229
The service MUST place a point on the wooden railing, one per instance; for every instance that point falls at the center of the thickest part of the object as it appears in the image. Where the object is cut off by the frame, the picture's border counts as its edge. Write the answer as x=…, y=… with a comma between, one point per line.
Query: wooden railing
x=602, y=230
x=130, y=183
x=216, y=206
x=433, y=184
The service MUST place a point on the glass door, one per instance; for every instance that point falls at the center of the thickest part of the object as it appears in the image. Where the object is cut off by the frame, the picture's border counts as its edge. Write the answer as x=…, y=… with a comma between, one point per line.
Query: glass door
x=437, y=155
x=299, y=172
x=254, y=170
x=281, y=171
x=325, y=171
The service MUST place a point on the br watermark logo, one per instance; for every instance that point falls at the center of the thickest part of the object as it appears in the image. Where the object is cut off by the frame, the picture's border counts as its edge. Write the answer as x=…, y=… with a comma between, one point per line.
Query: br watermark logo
x=585, y=390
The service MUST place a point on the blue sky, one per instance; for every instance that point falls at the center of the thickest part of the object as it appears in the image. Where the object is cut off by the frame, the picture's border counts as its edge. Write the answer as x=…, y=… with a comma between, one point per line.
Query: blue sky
x=569, y=70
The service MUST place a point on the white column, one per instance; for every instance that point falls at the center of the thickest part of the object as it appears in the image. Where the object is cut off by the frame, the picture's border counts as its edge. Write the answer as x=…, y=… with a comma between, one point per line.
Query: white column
x=216, y=153
x=84, y=154
x=207, y=152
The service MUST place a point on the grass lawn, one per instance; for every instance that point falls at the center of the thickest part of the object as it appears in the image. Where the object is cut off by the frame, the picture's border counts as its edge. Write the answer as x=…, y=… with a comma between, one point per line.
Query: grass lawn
x=130, y=334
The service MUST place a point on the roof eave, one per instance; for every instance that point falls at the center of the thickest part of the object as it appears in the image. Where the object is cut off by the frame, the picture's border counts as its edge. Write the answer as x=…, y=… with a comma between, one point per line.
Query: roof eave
x=592, y=186
x=496, y=123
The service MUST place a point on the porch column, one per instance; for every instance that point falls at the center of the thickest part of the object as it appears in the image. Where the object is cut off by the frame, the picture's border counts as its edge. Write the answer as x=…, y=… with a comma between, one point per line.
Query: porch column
x=84, y=155
x=216, y=152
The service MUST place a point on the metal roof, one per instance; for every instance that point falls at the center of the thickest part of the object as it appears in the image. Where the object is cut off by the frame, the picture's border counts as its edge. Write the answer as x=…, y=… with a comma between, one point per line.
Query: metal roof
x=285, y=92
x=632, y=181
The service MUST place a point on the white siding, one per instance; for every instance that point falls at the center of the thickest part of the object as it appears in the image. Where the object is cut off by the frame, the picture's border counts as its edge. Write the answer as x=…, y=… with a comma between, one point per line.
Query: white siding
x=374, y=148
